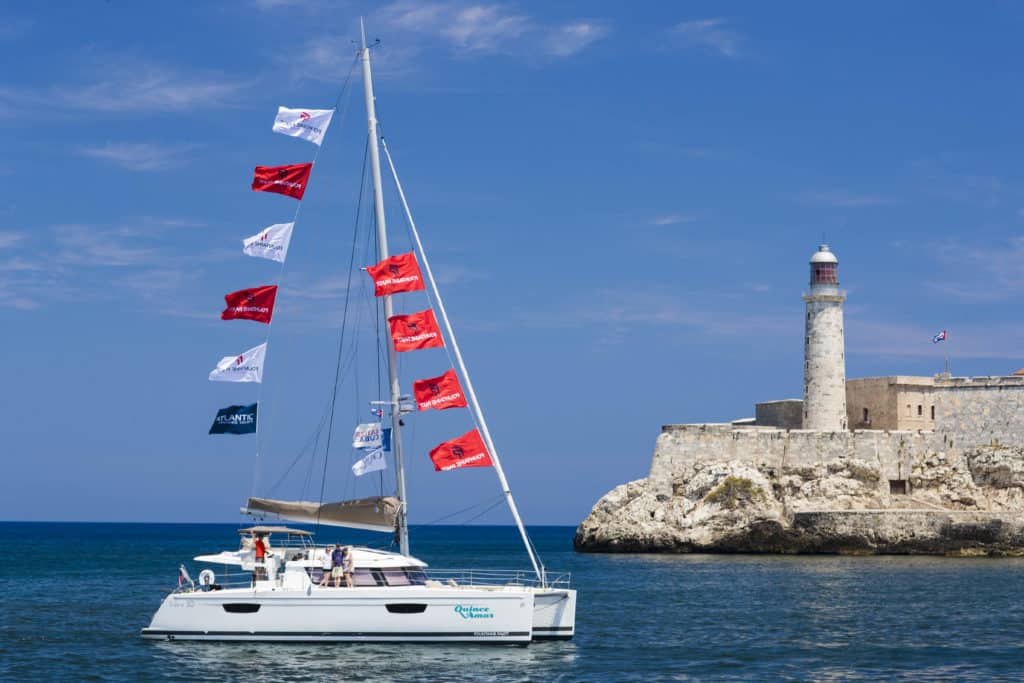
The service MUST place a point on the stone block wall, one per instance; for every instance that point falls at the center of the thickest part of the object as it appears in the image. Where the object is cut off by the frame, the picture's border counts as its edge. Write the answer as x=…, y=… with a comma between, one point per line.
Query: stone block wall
x=678, y=446
x=784, y=414
x=980, y=410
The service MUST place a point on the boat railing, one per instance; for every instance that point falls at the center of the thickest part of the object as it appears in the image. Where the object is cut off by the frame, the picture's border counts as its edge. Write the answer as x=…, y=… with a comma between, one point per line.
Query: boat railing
x=496, y=577
x=221, y=580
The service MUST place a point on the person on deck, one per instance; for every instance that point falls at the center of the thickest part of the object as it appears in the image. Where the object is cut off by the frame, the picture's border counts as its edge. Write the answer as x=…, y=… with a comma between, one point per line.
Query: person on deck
x=326, y=565
x=261, y=554
x=348, y=566
x=338, y=565
x=261, y=549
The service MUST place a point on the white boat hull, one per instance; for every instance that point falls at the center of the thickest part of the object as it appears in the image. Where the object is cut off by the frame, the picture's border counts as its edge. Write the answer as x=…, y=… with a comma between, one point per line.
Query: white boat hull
x=365, y=614
x=554, y=614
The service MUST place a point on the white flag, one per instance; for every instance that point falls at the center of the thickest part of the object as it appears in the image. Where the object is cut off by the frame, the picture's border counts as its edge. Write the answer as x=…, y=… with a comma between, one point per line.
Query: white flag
x=247, y=367
x=308, y=124
x=373, y=461
x=367, y=436
x=271, y=242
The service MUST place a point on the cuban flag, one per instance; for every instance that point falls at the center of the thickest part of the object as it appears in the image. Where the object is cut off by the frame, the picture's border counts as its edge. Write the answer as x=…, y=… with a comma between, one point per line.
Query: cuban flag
x=940, y=337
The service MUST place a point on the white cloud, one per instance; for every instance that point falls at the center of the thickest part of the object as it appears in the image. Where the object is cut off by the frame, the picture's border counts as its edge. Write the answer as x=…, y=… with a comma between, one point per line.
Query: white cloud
x=618, y=312
x=712, y=35
x=125, y=84
x=490, y=28
x=980, y=273
x=87, y=245
x=9, y=239
x=841, y=199
x=673, y=219
x=570, y=38
x=140, y=156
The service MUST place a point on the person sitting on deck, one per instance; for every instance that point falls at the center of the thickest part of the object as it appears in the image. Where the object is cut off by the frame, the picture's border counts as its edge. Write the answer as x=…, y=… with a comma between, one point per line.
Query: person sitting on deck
x=338, y=565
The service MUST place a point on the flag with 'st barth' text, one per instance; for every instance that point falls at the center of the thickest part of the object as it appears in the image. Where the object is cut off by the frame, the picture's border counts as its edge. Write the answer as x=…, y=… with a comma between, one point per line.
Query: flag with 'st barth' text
x=306, y=124
x=270, y=243
x=415, y=331
x=439, y=393
x=466, y=451
x=396, y=274
x=290, y=180
x=256, y=303
x=245, y=367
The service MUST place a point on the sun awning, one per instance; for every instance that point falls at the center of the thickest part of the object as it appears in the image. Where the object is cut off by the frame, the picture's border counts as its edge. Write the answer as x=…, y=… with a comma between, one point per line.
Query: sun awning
x=376, y=514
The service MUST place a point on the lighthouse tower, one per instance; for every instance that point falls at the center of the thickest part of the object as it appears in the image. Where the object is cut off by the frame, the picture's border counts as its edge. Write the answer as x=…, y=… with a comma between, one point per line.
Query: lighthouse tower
x=824, y=357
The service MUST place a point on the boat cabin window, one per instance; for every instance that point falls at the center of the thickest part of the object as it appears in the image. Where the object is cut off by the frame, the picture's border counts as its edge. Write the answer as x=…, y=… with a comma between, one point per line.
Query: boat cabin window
x=416, y=576
x=363, y=577
x=396, y=577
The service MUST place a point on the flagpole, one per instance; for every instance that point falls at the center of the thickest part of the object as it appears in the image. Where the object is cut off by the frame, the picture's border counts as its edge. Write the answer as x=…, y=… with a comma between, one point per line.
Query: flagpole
x=537, y=566
x=382, y=244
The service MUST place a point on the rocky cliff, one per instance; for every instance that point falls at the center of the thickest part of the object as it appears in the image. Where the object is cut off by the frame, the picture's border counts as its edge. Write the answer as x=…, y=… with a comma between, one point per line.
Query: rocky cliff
x=791, y=497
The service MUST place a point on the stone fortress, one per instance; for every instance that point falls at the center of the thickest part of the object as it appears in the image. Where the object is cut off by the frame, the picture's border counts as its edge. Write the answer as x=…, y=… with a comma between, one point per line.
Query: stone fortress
x=894, y=464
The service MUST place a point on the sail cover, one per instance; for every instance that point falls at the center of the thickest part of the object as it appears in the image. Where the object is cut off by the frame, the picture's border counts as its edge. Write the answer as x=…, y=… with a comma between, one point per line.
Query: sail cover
x=376, y=514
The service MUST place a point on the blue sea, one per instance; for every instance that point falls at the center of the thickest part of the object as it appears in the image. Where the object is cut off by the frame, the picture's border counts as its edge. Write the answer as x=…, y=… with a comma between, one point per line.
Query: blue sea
x=74, y=596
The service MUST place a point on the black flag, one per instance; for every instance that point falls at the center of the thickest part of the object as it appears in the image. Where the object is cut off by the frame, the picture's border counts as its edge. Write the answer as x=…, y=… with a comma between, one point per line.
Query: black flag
x=235, y=420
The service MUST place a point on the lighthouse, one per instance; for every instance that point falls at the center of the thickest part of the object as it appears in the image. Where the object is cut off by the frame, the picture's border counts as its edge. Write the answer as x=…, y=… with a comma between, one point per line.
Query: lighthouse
x=824, y=355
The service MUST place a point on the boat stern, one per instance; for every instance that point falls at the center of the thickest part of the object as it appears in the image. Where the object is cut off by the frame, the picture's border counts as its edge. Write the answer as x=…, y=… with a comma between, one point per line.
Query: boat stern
x=554, y=614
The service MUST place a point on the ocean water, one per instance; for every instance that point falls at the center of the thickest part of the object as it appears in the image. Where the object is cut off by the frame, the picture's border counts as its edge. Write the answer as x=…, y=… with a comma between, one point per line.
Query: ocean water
x=74, y=596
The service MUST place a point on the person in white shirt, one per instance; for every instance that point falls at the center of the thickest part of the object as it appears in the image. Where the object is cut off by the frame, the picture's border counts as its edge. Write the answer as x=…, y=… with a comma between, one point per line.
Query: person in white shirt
x=326, y=564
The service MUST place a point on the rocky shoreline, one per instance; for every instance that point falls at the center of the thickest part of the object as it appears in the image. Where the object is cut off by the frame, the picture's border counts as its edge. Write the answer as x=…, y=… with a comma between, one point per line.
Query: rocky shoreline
x=965, y=503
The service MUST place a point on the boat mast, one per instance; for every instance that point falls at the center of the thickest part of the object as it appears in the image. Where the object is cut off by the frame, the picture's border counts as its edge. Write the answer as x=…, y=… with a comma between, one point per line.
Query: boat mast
x=382, y=246
x=537, y=566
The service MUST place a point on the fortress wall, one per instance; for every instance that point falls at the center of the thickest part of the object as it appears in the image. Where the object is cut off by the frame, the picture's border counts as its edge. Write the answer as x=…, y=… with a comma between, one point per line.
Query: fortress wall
x=778, y=449
x=981, y=409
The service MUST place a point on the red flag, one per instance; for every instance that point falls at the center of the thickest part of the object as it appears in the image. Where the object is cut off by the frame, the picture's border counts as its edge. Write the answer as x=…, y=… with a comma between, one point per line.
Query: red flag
x=415, y=331
x=250, y=304
x=289, y=180
x=439, y=392
x=466, y=451
x=396, y=274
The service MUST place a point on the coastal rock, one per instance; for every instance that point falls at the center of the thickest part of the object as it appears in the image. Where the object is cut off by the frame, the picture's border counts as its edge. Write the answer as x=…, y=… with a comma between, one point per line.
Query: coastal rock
x=965, y=503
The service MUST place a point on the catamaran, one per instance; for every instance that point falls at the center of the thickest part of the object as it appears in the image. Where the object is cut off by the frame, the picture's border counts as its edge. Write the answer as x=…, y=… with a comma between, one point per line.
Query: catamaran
x=273, y=586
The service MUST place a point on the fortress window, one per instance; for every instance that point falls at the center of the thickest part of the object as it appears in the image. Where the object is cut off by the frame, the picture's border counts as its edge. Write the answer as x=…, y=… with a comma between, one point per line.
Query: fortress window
x=898, y=487
x=919, y=410
x=933, y=412
x=908, y=410
x=866, y=420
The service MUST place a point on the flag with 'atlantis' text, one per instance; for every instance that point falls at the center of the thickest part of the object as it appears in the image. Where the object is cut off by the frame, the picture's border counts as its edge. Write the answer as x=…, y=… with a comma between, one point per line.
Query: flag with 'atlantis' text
x=415, y=331
x=288, y=180
x=466, y=451
x=246, y=367
x=256, y=304
x=270, y=243
x=307, y=124
x=235, y=420
x=372, y=462
x=396, y=274
x=439, y=393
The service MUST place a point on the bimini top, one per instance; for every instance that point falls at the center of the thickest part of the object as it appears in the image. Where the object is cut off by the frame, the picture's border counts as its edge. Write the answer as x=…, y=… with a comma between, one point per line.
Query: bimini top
x=257, y=530
x=824, y=255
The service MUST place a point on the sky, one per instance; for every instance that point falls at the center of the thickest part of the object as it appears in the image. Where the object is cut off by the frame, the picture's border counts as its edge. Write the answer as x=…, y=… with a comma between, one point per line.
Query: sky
x=619, y=201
